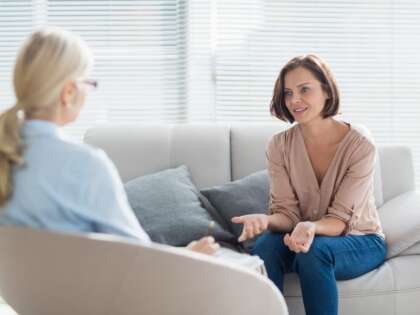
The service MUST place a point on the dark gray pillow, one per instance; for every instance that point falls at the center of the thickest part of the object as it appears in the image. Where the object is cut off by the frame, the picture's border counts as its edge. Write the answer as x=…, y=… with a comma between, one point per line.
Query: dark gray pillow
x=168, y=206
x=248, y=195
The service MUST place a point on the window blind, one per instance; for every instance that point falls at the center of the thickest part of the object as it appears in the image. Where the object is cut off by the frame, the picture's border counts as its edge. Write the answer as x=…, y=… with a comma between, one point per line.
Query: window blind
x=372, y=47
x=139, y=48
x=185, y=61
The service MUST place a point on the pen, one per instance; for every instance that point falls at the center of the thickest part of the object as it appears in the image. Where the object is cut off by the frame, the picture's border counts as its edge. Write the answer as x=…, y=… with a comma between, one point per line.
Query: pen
x=210, y=228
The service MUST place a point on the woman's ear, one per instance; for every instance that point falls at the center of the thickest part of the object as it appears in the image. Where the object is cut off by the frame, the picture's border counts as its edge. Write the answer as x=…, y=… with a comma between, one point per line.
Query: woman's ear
x=327, y=94
x=67, y=94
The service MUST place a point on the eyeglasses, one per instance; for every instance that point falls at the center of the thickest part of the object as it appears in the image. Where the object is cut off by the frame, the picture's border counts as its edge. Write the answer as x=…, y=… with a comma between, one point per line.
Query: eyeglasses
x=92, y=84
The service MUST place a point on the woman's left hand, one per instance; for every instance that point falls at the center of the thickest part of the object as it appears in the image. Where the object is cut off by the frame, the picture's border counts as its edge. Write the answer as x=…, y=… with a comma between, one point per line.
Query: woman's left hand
x=301, y=238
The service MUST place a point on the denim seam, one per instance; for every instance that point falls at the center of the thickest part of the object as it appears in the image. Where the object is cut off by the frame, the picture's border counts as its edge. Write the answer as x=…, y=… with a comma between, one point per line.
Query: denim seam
x=357, y=250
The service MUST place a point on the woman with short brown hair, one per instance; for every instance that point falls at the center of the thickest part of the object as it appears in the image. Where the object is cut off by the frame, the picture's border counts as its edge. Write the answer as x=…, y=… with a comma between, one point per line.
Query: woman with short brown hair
x=322, y=221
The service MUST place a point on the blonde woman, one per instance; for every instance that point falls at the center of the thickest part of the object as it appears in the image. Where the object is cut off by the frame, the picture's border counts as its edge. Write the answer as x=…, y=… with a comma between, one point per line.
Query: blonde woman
x=46, y=181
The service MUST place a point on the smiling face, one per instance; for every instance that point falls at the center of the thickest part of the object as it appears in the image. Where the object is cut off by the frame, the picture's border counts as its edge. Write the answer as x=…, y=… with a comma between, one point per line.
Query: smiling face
x=305, y=89
x=304, y=96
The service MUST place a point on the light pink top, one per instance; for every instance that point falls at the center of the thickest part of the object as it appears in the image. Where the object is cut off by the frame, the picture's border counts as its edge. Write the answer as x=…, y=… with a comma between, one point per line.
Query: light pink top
x=346, y=191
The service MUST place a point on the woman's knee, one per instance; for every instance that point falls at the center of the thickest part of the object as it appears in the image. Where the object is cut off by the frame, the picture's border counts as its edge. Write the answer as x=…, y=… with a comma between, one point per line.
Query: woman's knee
x=267, y=244
x=319, y=252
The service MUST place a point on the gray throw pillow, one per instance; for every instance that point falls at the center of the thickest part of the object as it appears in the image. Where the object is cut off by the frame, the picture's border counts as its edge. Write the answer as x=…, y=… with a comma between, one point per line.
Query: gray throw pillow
x=168, y=206
x=248, y=195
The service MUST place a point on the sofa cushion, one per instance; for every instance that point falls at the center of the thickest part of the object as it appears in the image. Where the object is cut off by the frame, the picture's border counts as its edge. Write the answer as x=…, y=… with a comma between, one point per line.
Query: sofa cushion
x=412, y=250
x=244, y=196
x=168, y=206
x=400, y=218
x=373, y=282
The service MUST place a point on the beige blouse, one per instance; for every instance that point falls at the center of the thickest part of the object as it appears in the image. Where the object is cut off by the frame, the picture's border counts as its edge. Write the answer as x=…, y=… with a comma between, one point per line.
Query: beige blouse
x=345, y=193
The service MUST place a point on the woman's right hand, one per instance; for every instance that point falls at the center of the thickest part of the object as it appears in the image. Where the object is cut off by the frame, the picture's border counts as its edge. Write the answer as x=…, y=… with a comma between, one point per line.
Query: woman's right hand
x=205, y=245
x=254, y=224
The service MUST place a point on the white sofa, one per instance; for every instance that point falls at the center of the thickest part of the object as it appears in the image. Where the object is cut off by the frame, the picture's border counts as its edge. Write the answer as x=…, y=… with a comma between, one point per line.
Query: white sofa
x=50, y=273
x=218, y=153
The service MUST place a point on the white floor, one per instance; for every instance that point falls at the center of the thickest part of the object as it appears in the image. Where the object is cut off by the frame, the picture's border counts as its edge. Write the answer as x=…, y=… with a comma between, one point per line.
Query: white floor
x=5, y=310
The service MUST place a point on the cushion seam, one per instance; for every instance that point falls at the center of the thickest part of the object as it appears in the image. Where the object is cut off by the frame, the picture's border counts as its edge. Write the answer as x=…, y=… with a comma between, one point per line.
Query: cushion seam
x=370, y=293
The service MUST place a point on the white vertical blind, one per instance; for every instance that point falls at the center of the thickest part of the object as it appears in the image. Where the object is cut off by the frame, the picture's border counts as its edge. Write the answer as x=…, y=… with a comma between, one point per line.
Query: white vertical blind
x=16, y=22
x=201, y=50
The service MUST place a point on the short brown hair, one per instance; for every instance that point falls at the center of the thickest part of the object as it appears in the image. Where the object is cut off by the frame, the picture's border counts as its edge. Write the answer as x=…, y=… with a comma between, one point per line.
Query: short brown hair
x=322, y=73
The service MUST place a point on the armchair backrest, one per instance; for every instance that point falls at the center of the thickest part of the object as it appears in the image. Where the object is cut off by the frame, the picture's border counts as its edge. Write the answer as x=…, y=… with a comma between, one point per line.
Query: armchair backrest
x=47, y=273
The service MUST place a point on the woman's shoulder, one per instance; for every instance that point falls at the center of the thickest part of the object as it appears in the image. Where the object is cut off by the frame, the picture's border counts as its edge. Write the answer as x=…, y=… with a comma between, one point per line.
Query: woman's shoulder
x=85, y=156
x=359, y=145
x=362, y=138
x=80, y=150
x=284, y=138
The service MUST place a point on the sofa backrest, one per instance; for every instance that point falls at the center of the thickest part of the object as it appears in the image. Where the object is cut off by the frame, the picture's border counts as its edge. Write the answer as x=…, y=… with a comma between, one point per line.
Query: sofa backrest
x=218, y=153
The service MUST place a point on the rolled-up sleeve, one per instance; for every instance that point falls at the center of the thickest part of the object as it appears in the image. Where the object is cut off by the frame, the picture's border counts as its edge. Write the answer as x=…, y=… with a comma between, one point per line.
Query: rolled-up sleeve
x=282, y=196
x=357, y=185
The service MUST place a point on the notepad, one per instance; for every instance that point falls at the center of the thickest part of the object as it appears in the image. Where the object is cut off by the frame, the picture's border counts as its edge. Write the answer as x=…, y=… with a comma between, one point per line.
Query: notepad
x=252, y=262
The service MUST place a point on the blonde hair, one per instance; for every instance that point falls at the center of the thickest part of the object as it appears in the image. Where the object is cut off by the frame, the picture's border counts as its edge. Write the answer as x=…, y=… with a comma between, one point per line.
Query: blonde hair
x=48, y=59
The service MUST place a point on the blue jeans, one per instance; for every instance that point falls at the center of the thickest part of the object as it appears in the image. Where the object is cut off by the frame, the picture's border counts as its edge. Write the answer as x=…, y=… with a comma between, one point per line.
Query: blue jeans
x=329, y=259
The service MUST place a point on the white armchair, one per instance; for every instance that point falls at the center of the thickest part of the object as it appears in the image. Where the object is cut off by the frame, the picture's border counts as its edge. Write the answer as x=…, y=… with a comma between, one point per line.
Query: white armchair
x=44, y=273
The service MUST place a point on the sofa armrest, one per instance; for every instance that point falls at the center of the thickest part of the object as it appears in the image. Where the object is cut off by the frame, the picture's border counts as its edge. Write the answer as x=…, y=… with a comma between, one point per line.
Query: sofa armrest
x=400, y=218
